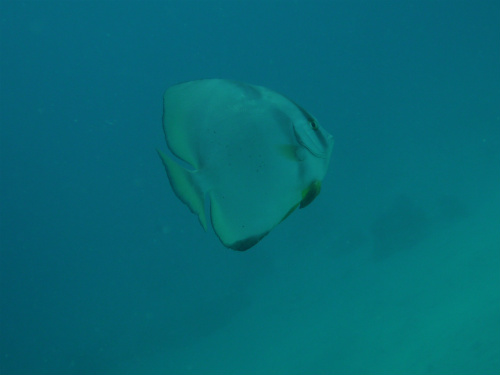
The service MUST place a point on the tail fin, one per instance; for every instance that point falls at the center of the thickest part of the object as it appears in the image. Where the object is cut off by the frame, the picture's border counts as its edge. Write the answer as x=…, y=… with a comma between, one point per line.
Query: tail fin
x=185, y=187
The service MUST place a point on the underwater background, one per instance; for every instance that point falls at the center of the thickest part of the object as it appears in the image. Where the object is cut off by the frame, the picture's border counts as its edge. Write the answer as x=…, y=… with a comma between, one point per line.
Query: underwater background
x=394, y=268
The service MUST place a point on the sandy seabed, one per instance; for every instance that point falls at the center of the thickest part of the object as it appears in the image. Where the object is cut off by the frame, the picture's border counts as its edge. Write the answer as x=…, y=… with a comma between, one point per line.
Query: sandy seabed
x=434, y=309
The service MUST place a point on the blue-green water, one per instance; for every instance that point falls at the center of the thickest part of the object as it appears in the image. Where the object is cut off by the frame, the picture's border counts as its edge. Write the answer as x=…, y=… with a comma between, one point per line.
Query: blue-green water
x=394, y=269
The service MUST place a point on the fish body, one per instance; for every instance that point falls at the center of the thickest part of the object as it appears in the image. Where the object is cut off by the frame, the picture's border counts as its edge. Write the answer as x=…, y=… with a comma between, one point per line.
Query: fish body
x=252, y=153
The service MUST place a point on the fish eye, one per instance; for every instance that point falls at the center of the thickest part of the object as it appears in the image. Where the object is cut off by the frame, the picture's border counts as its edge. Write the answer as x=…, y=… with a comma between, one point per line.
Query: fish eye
x=314, y=125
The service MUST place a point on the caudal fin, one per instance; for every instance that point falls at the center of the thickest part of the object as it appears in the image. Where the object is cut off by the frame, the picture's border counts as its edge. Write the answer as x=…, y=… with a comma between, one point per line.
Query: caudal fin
x=186, y=189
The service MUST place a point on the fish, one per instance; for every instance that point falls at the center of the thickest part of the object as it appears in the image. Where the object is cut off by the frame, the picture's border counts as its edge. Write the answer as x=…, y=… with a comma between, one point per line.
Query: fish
x=242, y=155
